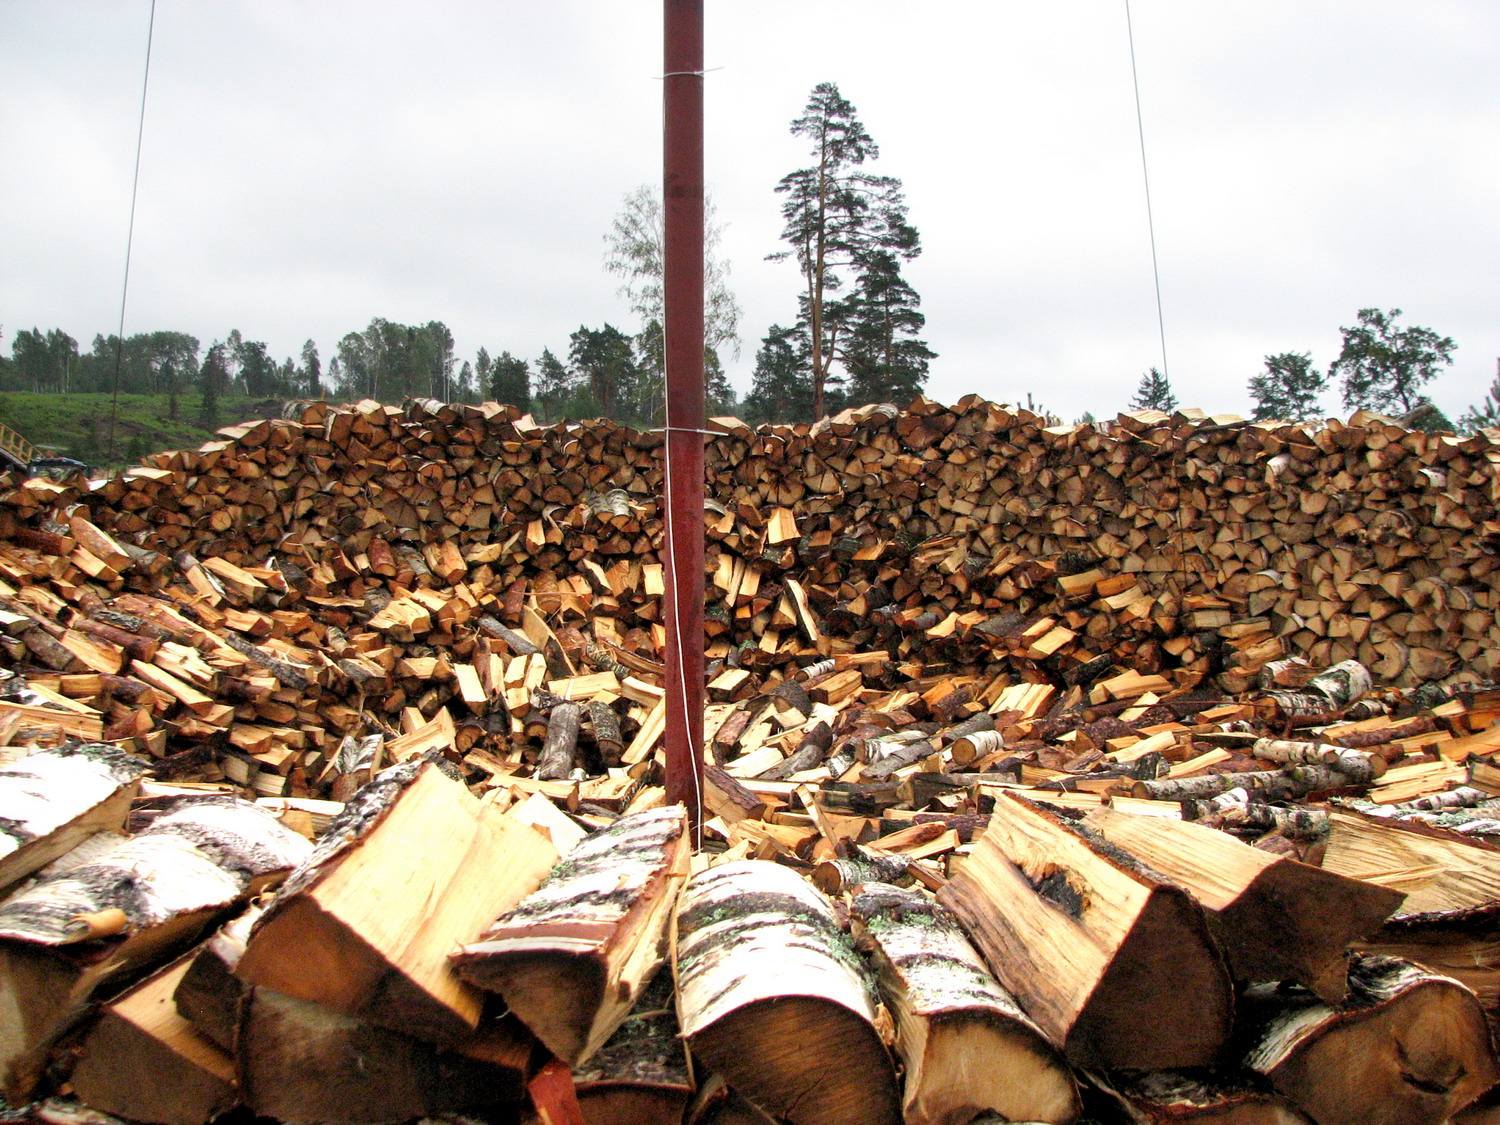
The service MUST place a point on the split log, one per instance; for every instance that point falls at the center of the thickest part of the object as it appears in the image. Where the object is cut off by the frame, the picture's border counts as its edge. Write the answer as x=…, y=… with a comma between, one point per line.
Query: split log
x=144, y=1062
x=300, y=1061
x=1405, y=1047
x=770, y=989
x=130, y=904
x=52, y=800
x=966, y=1045
x=411, y=867
x=572, y=958
x=1177, y=1097
x=1439, y=870
x=208, y=993
x=1275, y=918
x=1085, y=937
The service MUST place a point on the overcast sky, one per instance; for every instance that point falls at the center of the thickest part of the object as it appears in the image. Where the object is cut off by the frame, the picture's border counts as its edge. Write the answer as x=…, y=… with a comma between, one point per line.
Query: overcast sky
x=310, y=165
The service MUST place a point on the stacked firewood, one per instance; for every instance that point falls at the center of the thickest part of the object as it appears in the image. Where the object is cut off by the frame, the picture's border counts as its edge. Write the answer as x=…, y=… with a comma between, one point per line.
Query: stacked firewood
x=982, y=695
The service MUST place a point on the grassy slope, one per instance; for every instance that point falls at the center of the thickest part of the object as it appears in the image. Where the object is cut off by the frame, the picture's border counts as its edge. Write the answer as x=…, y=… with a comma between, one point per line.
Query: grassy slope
x=78, y=425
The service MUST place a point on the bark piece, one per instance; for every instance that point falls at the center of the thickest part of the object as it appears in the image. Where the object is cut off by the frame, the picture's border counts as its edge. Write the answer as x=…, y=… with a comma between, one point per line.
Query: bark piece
x=1276, y=918
x=52, y=800
x=144, y=1062
x=1405, y=1047
x=412, y=867
x=966, y=1045
x=571, y=958
x=556, y=761
x=1086, y=938
x=770, y=990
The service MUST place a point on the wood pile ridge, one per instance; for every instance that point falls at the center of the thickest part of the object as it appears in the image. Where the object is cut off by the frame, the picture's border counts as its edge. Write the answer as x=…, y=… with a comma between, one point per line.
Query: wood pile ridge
x=1129, y=773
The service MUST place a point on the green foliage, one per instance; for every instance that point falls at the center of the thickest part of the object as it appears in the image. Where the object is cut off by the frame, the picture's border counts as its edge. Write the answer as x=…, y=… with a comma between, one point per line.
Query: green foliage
x=389, y=361
x=1383, y=367
x=1289, y=388
x=885, y=360
x=311, y=372
x=42, y=362
x=510, y=381
x=603, y=365
x=841, y=218
x=1154, y=392
x=637, y=254
x=780, y=390
x=556, y=390
x=79, y=425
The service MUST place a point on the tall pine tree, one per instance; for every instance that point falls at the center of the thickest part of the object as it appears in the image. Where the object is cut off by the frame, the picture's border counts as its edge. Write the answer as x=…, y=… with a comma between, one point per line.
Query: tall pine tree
x=510, y=381
x=885, y=359
x=840, y=218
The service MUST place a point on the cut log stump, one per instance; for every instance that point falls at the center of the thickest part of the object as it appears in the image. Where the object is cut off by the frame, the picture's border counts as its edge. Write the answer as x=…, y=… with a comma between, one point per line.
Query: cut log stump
x=300, y=1061
x=144, y=1062
x=1110, y=959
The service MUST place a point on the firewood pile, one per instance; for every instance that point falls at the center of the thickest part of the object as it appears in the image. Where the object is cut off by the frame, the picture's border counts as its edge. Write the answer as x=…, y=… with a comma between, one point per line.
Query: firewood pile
x=1140, y=773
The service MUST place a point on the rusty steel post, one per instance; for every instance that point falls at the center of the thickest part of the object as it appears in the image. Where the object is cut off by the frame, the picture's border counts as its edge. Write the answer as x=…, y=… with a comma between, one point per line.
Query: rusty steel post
x=682, y=197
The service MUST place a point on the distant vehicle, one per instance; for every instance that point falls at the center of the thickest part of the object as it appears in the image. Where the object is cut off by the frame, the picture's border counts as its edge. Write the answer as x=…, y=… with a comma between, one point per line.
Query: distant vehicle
x=56, y=468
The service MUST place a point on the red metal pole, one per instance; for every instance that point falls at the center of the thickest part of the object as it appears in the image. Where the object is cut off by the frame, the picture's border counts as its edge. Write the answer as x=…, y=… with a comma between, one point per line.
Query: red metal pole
x=682, y=197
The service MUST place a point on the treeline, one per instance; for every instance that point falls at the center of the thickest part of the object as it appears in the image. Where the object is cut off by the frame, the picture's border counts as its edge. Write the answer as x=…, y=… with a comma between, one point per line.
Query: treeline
x=604, y=372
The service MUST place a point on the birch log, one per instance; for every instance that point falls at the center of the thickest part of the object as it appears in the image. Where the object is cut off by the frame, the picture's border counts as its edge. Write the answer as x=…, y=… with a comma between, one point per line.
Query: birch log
x=770, y=991
x=52, y=800
x=131, y=905
x=966, y=1045
x=1405, y=1047
x=1276, y=918
x=571, y=958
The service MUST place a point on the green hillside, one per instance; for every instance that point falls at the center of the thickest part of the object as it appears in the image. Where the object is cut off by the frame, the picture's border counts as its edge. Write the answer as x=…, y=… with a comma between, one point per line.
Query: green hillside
x=108, y=434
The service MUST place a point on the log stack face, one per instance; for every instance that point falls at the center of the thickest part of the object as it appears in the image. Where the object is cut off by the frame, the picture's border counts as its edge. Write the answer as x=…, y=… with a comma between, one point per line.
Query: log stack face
x=1349, y=540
